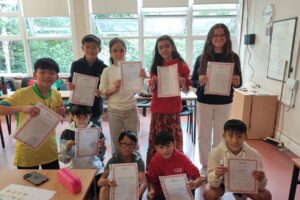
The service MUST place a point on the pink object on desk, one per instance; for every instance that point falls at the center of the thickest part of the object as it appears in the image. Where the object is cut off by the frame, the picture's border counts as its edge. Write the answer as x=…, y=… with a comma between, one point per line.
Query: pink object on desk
x=69, y=180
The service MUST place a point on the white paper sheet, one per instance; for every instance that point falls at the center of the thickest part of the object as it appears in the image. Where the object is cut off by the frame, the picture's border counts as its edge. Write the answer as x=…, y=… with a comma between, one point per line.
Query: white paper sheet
x=35, y=130
x=175, y=187
x=86, y=141
x=239, y=177
x=126, y=177
x=168, y=84
x=130, y=77
x=219, y=78
x=14, y=192
x=84, y=92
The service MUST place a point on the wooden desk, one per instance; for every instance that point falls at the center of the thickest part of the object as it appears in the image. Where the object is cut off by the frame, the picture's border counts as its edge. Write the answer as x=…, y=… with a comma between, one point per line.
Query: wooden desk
x=257, y=110
x=16, y=177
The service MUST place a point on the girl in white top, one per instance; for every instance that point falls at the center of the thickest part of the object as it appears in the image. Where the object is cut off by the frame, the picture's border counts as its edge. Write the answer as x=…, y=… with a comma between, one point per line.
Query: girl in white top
x=122, y=109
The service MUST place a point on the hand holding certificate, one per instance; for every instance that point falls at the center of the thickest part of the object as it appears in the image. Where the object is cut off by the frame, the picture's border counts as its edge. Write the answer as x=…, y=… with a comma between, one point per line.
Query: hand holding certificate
x=35, y=130
x=168, y=84
x=86, y=141
x=130, y=76
x=84, y=92
x=126, y=178
x=175, y=187
x=219, y=78
x=239, y=178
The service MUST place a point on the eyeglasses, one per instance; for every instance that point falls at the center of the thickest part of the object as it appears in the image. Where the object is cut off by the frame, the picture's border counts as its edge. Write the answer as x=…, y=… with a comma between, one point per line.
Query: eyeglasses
x=124, y=145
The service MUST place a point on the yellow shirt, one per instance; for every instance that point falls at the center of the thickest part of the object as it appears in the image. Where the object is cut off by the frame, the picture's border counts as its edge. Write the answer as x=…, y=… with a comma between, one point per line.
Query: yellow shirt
x=47, y=152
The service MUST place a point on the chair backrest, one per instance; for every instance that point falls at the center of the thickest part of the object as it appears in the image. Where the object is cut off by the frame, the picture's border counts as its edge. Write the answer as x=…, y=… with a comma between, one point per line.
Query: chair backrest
x=10, y=84
x=25, y=81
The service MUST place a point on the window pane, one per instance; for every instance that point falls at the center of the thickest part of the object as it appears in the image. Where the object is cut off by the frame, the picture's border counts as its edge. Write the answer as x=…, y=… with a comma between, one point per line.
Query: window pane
x=8, y=5
x=116, y=25
x=215, y=9
x=201, y=25
x=149, y=45
x=160, y=25
x=132, y=50
x=9, y=26
x=197, y=50
x=12, y=57
x=44, y=26
x=60, y=50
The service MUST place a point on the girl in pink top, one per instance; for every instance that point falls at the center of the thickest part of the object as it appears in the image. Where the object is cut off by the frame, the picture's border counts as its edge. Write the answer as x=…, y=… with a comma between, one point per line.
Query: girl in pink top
x=165, y=110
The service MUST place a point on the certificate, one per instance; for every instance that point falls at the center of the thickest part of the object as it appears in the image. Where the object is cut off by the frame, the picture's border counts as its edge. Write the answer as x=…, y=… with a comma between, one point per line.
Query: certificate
x=126, y=177
x=239, y=177
x=35, y=130
x=86, y=141
x=175, y=187
x=130, y=77
x=219, y=78
x=84, y=92
x=168, y=84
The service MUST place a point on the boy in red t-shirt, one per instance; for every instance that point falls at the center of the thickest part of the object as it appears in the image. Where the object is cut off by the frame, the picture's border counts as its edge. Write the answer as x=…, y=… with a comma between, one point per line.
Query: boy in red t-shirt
x=169, y=161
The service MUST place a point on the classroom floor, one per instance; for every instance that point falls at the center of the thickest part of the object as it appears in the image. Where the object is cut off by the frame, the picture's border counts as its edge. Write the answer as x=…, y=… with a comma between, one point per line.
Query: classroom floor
x=277, y=162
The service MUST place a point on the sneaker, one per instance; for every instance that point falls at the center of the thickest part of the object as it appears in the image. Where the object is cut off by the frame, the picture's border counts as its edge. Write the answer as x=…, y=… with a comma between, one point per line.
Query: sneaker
x=239, y=196
x=203, y=173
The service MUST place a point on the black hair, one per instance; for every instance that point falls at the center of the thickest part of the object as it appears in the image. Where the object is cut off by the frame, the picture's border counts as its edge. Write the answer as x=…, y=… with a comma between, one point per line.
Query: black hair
x=77, y=110
x=91, y=38
x=157, y=59
x=163, y=138
x=235, y=126
x=131, y=135
x=111, y=43
x=46, y=63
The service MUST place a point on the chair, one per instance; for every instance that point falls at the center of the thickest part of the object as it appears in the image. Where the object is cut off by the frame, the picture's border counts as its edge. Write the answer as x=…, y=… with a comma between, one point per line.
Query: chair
x=1, y=136
x=144, y=104
x=187, y=110
x=295, y=180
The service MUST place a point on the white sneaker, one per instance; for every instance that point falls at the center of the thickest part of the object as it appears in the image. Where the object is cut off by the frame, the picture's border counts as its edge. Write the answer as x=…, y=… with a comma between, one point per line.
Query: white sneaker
x=203, y=173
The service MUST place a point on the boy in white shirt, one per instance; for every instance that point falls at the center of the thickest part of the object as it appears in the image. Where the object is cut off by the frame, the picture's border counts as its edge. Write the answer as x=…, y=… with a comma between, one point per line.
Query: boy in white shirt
x=233, y=146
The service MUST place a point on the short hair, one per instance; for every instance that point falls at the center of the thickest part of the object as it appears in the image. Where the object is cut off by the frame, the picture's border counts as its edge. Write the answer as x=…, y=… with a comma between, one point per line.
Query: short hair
x=235, y=126
x=91, y=38
x=77, y=110
x=131, y=135
x=46, y=63
x=163, y=138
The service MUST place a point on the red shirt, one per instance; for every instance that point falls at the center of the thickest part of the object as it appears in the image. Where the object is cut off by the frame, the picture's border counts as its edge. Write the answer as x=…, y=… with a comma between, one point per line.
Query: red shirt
x=170, y=105
x=177, y=164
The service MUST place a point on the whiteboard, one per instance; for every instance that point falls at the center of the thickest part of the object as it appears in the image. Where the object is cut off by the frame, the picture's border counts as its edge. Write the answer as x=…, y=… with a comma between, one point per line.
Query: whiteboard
x=281, y=50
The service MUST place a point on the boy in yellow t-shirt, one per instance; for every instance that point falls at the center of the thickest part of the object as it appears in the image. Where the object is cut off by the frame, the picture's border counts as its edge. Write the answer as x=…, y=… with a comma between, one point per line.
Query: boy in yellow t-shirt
x=23, y=102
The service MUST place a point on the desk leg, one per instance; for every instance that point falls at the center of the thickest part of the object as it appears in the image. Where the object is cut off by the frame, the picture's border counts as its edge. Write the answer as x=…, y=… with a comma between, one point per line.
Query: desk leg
x=195, y=122
x=2, y=138
x=8, y=123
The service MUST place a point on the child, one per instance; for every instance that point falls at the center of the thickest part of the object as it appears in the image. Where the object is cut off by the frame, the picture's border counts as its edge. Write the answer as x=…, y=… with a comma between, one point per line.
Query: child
x=122, y=109
x=233, y=146
x=165, y=111
x=90, y=65
x=81, y=116
x=213, y=110
x=126, y=154
x=169, y=161
x=23, y=102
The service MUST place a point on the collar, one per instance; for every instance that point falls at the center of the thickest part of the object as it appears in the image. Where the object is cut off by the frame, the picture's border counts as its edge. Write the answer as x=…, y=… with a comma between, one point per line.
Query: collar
x=38, y=92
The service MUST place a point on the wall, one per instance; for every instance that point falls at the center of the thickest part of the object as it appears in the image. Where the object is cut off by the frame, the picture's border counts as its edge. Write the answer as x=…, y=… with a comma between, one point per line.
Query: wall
x=288, y=126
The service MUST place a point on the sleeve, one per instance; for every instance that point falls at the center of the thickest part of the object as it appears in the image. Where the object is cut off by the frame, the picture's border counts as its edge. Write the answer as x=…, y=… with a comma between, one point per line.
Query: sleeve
x=185, y=72
x=141, y=165
x=110, y=161
x=261, y=184
x=212, y=178
x=151, y=174
x=12, y=100
x=65, y=154
x=237, y=69
x=194, y=79
x=104, y=82
x=191, y=169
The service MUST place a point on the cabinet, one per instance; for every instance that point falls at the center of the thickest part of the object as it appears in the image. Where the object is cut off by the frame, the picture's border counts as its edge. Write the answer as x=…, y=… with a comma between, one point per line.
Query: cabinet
x=258, y=111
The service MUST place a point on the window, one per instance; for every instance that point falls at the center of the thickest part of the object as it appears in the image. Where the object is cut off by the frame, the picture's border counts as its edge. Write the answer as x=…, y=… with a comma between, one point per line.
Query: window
x=21, y=44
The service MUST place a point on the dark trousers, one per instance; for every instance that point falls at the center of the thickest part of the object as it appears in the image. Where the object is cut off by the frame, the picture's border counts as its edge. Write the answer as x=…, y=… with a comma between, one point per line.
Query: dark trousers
x=51, y=165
